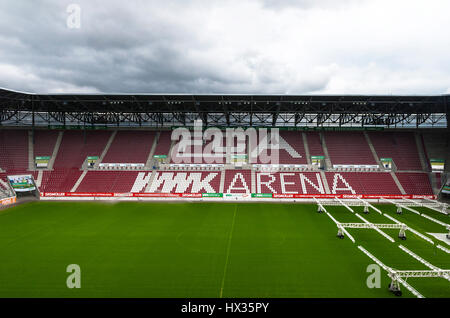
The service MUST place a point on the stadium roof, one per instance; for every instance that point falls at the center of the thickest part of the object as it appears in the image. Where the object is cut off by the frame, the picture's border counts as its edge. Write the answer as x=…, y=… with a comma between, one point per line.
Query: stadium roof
x=119, y=109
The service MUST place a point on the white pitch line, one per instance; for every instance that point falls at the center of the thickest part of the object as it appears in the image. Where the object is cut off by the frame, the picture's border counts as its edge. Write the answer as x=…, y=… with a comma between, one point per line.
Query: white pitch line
x=410, y=229
x=434, y=220
x=344, y=204
x=401, y=205
x=446, y=250
x=228, y=252
x=376, y=229
x=370, y=205
x=335, y=221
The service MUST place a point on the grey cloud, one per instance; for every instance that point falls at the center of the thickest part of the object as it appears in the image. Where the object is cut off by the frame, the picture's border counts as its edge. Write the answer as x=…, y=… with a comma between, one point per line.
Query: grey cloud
x=197, y=47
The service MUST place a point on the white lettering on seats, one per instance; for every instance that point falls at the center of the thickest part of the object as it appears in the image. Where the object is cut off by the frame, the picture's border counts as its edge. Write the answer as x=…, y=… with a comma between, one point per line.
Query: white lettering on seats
x=335, y=184
x=284, y=183
x=233, y=184
x=141, y=181
x=181, y=181
x=318, y=187
x=267, y=184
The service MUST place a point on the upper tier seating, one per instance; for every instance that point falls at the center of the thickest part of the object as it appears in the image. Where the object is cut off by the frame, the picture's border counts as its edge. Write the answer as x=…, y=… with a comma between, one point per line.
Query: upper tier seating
x=77, y=145
x=130, y=147
x=291, y=150
x=198, y=152
x=348, y=148
x=314, y=144
x=13, y=149
x=44, y=142
x=400, y=146
x=295, y=140
x=163, y=145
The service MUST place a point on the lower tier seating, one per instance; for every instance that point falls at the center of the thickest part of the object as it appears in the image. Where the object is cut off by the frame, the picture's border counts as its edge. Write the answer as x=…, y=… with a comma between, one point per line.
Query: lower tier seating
x=59, y=180
x=415, y=183
x=108, y=181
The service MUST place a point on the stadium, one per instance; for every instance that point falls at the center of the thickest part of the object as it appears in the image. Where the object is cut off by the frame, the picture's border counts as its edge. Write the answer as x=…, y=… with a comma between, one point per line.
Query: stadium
x=224, y=196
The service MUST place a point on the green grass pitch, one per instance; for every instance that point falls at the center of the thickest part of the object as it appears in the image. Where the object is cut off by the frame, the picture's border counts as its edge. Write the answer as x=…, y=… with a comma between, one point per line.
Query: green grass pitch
x=135, y=249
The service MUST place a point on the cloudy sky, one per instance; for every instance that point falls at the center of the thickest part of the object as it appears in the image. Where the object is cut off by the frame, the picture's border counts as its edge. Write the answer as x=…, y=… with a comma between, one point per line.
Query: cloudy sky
x=227, y=46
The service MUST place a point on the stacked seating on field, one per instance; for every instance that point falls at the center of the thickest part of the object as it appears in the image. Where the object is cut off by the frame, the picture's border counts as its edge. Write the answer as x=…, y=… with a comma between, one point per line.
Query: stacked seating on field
x=400, y=146
x=59, y=180
x=271, y=182
x=13, y=149
x=76, y=146
x=183, y=182
x=348, y=148
x=130, y=147
x=314, y=144
x=236, y=179
x=44, y=142
x=415, y=183
x=364, y=183
x=108, y=181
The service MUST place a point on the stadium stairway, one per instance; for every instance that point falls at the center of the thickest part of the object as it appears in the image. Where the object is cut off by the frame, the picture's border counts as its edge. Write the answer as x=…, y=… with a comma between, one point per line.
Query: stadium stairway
x=325, y=181
x=105, y=150
x=328, y=163
x=372, y=149
x=80, y=179
x=38, y=180
x=222, y=181
x=30, y=151
x=148, y=163
x=169, y=156
x=421, y=152
x=253, y=178
x=397, y=182
x=152, y=177
x=51, y=163
x=306, y=146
